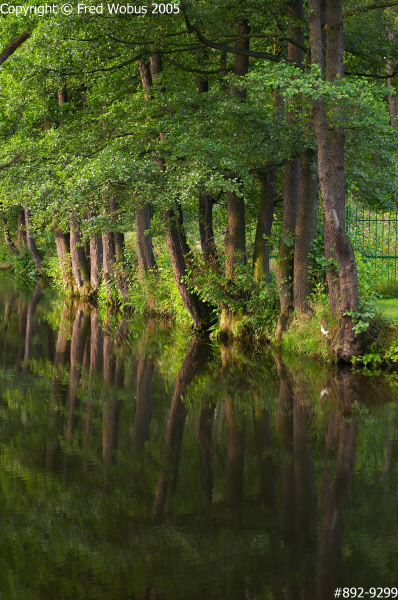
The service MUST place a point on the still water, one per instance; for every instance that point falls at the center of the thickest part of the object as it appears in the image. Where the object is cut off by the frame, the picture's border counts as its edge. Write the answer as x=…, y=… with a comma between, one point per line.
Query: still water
x=136, y=463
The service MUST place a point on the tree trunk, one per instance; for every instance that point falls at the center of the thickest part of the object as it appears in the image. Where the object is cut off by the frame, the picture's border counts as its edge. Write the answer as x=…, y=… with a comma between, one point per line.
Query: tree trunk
x=178, y=249
x=346, y=343
x=285, y=264
x=206, y=201
x=96, y=262
x=206, y=232
x=64, y=258
x=118, y=238
x=21, y=235
x=108, y=249
x=264, y=226
x=241, y=61
x=235, y=242
x=305, y=229
x=80, y=266
x=7, y=238
x=37, y=258
x=146, y=258
x=117, y=235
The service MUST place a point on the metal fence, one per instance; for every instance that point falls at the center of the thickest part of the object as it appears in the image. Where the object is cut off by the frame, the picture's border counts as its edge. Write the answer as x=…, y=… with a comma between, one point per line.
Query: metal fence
x=375, y=235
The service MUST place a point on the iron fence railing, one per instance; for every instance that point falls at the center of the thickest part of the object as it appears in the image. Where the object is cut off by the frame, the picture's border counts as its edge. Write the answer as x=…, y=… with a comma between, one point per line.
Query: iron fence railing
x=375, y=235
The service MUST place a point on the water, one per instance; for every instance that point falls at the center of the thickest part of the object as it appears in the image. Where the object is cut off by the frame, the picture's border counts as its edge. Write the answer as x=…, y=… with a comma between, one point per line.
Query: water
x=139, y=464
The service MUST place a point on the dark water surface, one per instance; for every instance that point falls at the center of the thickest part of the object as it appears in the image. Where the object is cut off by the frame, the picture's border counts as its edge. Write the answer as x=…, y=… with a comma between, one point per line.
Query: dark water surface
x=139, y=464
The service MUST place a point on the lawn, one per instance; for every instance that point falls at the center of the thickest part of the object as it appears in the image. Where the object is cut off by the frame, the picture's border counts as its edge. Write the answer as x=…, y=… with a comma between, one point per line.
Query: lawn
x=389, y=307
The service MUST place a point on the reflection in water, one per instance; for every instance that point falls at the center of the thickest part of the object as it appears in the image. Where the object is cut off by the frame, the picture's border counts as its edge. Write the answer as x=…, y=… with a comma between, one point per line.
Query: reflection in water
x=195, y=358
x=206, y=421
x=342, y=438
x=29, y=322
x=261, y=485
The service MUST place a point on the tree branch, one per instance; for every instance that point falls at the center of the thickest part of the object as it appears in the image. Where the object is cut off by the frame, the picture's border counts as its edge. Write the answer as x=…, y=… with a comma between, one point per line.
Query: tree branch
x=12, y=162
x=188, y=69
x=360, y=9
x=14, y=45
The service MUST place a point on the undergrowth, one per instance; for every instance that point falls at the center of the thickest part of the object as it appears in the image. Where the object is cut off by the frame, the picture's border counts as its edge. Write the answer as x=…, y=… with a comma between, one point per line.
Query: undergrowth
x=304, y=335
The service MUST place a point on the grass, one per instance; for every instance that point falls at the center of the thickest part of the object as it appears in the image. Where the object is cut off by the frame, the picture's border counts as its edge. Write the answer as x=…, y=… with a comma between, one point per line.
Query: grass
x=389, y=308
x=304, y=336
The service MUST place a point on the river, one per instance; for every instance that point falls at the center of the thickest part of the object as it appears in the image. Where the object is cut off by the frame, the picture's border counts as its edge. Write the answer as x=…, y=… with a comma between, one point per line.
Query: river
x=140, y=463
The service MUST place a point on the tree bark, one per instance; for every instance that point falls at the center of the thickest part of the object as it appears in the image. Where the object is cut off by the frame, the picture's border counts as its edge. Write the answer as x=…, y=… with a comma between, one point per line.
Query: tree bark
x=241, y=61
x=118, y=238
x=7, y=238
x=345, y=343
x=264, y=225
x=96, y=262
x=21, y=235
x=206, y=232
x=178, y=249
x=235, y=241
x=37, y=258
x=285, y=263
x=64, y=258
x=305, y=229
x=146, y=258
x=108, y=249
x=80, y=266
x=206, y=200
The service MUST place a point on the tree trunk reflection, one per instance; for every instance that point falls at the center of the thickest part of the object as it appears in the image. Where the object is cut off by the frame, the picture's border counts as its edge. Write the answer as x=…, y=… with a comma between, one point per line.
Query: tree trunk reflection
x=195, y=358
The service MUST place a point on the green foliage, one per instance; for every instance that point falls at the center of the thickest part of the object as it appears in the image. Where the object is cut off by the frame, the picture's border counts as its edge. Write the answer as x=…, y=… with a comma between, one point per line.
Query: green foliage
x=362, y=317
x=22, y=265
x=156, y=292
x=253, y=304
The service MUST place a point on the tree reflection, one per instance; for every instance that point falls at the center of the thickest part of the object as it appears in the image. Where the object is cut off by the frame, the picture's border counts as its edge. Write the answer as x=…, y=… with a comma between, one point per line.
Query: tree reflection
x=342, y=437
x=193, y=361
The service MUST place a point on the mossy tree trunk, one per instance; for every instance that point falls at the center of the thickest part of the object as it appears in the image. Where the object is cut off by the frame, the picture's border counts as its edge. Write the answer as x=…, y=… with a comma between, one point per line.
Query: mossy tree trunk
x=64, y=259
x=305, y=230
x=264, y=225
x=179, y=251
x=37, y=257
x=80, y=265
x=346, y=342
x=285, y=263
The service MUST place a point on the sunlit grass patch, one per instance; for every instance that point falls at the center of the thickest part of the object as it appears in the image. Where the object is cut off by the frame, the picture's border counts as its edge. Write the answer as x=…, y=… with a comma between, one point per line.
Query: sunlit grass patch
x=389, y=308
